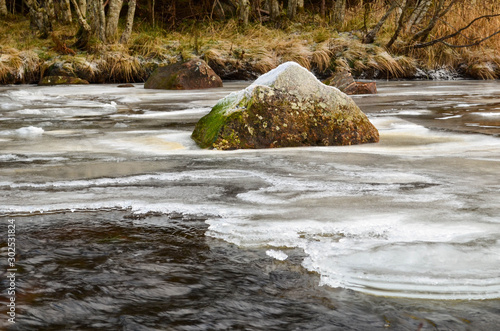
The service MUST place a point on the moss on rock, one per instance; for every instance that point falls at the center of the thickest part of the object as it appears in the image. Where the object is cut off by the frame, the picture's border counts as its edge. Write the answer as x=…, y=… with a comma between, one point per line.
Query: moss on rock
x=61, y=80
x=288, y=107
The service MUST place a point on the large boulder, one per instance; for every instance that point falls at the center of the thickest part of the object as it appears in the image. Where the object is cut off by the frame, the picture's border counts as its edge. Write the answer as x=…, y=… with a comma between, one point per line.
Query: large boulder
x=190, y=75
x=286, y=107
x=343, y=81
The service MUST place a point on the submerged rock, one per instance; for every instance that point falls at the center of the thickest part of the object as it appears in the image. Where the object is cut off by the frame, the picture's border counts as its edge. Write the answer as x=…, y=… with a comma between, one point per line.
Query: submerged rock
x=193, y=74
x=61, y=80
x=343, y=81
x=286, y=107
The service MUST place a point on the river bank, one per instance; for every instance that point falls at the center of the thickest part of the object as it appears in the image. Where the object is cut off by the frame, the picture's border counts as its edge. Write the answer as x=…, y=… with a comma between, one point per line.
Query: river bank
x=233, y=53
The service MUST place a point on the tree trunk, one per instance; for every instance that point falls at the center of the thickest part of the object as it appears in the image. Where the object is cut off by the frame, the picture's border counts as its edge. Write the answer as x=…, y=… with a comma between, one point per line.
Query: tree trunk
x=339, y=8
x=399, y=9
x=65, y=8
x=130, y=22
x=274, y=9
x=97, y=19
x=39, y=18
x=438, y=13
x=3, y=8
x=322, y=9
x=51, y=13
x=244, y=11
x=115, y=6
x=402, y=18
x=83, y=7
x=418, y=14
x=81, y=16
x=370, y=36
x=300, y=6
x=292, y=9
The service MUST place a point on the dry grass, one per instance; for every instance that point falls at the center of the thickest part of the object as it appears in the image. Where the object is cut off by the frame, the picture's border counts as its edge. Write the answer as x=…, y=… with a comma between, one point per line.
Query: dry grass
x=313, y=43
x=119, y=67
x=322, y=56
x=479, y=61
x=18, y=66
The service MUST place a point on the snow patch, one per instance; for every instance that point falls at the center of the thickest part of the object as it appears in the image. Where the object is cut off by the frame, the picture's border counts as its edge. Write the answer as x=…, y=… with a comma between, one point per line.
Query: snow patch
x=278, y=255
x=29, y=132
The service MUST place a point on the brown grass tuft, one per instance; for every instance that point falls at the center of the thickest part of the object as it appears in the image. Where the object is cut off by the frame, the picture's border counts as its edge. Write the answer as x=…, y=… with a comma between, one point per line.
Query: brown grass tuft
x=119, y=67
x=294, y=50
x=18, y=66
x=321, y=56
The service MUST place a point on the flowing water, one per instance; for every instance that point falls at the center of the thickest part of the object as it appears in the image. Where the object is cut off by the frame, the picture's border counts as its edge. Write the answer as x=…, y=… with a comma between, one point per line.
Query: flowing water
x=122, y=222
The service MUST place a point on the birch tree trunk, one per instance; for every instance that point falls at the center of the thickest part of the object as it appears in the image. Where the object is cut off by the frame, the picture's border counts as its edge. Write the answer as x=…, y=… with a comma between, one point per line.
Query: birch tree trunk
x=97, y=19
x=115, y=6
x=244, y=11
x=418, y=14
x=65, y=8
x=339, y=8
x=85, y=30
x=3, y=8
x=130, y=22
x=439, y=11
x=405, y=11
x=274, y=9
x=300, y=6
x=400, y=9
x=292, y=8
x=51, y=13
x=82, y=4
x=39, y=18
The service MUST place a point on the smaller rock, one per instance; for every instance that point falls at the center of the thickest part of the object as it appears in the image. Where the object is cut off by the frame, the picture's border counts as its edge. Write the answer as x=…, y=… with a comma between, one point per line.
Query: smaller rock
x=343, y=81
x=190, y=75
x=61, y=80
x=126, y=85
x=366, y=88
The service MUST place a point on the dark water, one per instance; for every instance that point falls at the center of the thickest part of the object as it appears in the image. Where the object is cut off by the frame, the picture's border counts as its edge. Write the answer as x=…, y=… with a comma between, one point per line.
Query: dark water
x=115, y=270
x=123, y=223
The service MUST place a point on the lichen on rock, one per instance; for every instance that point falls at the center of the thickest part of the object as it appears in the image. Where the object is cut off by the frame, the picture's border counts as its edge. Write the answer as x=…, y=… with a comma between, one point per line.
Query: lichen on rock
x=287, y=107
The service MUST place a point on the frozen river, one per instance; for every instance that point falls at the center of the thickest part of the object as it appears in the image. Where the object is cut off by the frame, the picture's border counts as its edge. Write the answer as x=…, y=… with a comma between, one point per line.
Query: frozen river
x=123, y=222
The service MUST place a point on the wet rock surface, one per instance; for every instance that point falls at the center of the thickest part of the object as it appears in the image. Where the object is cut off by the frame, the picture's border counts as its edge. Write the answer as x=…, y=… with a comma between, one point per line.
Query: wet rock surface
x=61, y=80
x=193, y=74
x=287, y=107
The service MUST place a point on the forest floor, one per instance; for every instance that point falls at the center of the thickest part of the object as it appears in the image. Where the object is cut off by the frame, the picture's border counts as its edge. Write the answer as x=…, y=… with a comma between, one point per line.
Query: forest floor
x=233, y=53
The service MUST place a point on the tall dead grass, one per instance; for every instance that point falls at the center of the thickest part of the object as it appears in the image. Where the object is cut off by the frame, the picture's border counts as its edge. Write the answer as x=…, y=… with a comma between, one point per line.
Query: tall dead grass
x=480, y=61
x=18, y=66
x=313, y=43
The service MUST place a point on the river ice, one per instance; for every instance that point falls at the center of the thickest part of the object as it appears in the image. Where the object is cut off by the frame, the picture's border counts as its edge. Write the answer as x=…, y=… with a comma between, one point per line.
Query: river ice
x=416, y=215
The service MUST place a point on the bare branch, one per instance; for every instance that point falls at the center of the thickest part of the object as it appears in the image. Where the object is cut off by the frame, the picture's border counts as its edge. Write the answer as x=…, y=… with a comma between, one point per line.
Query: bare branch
x=456, y=33
x=473, y=44
x=370, y=36
x=452, y=27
